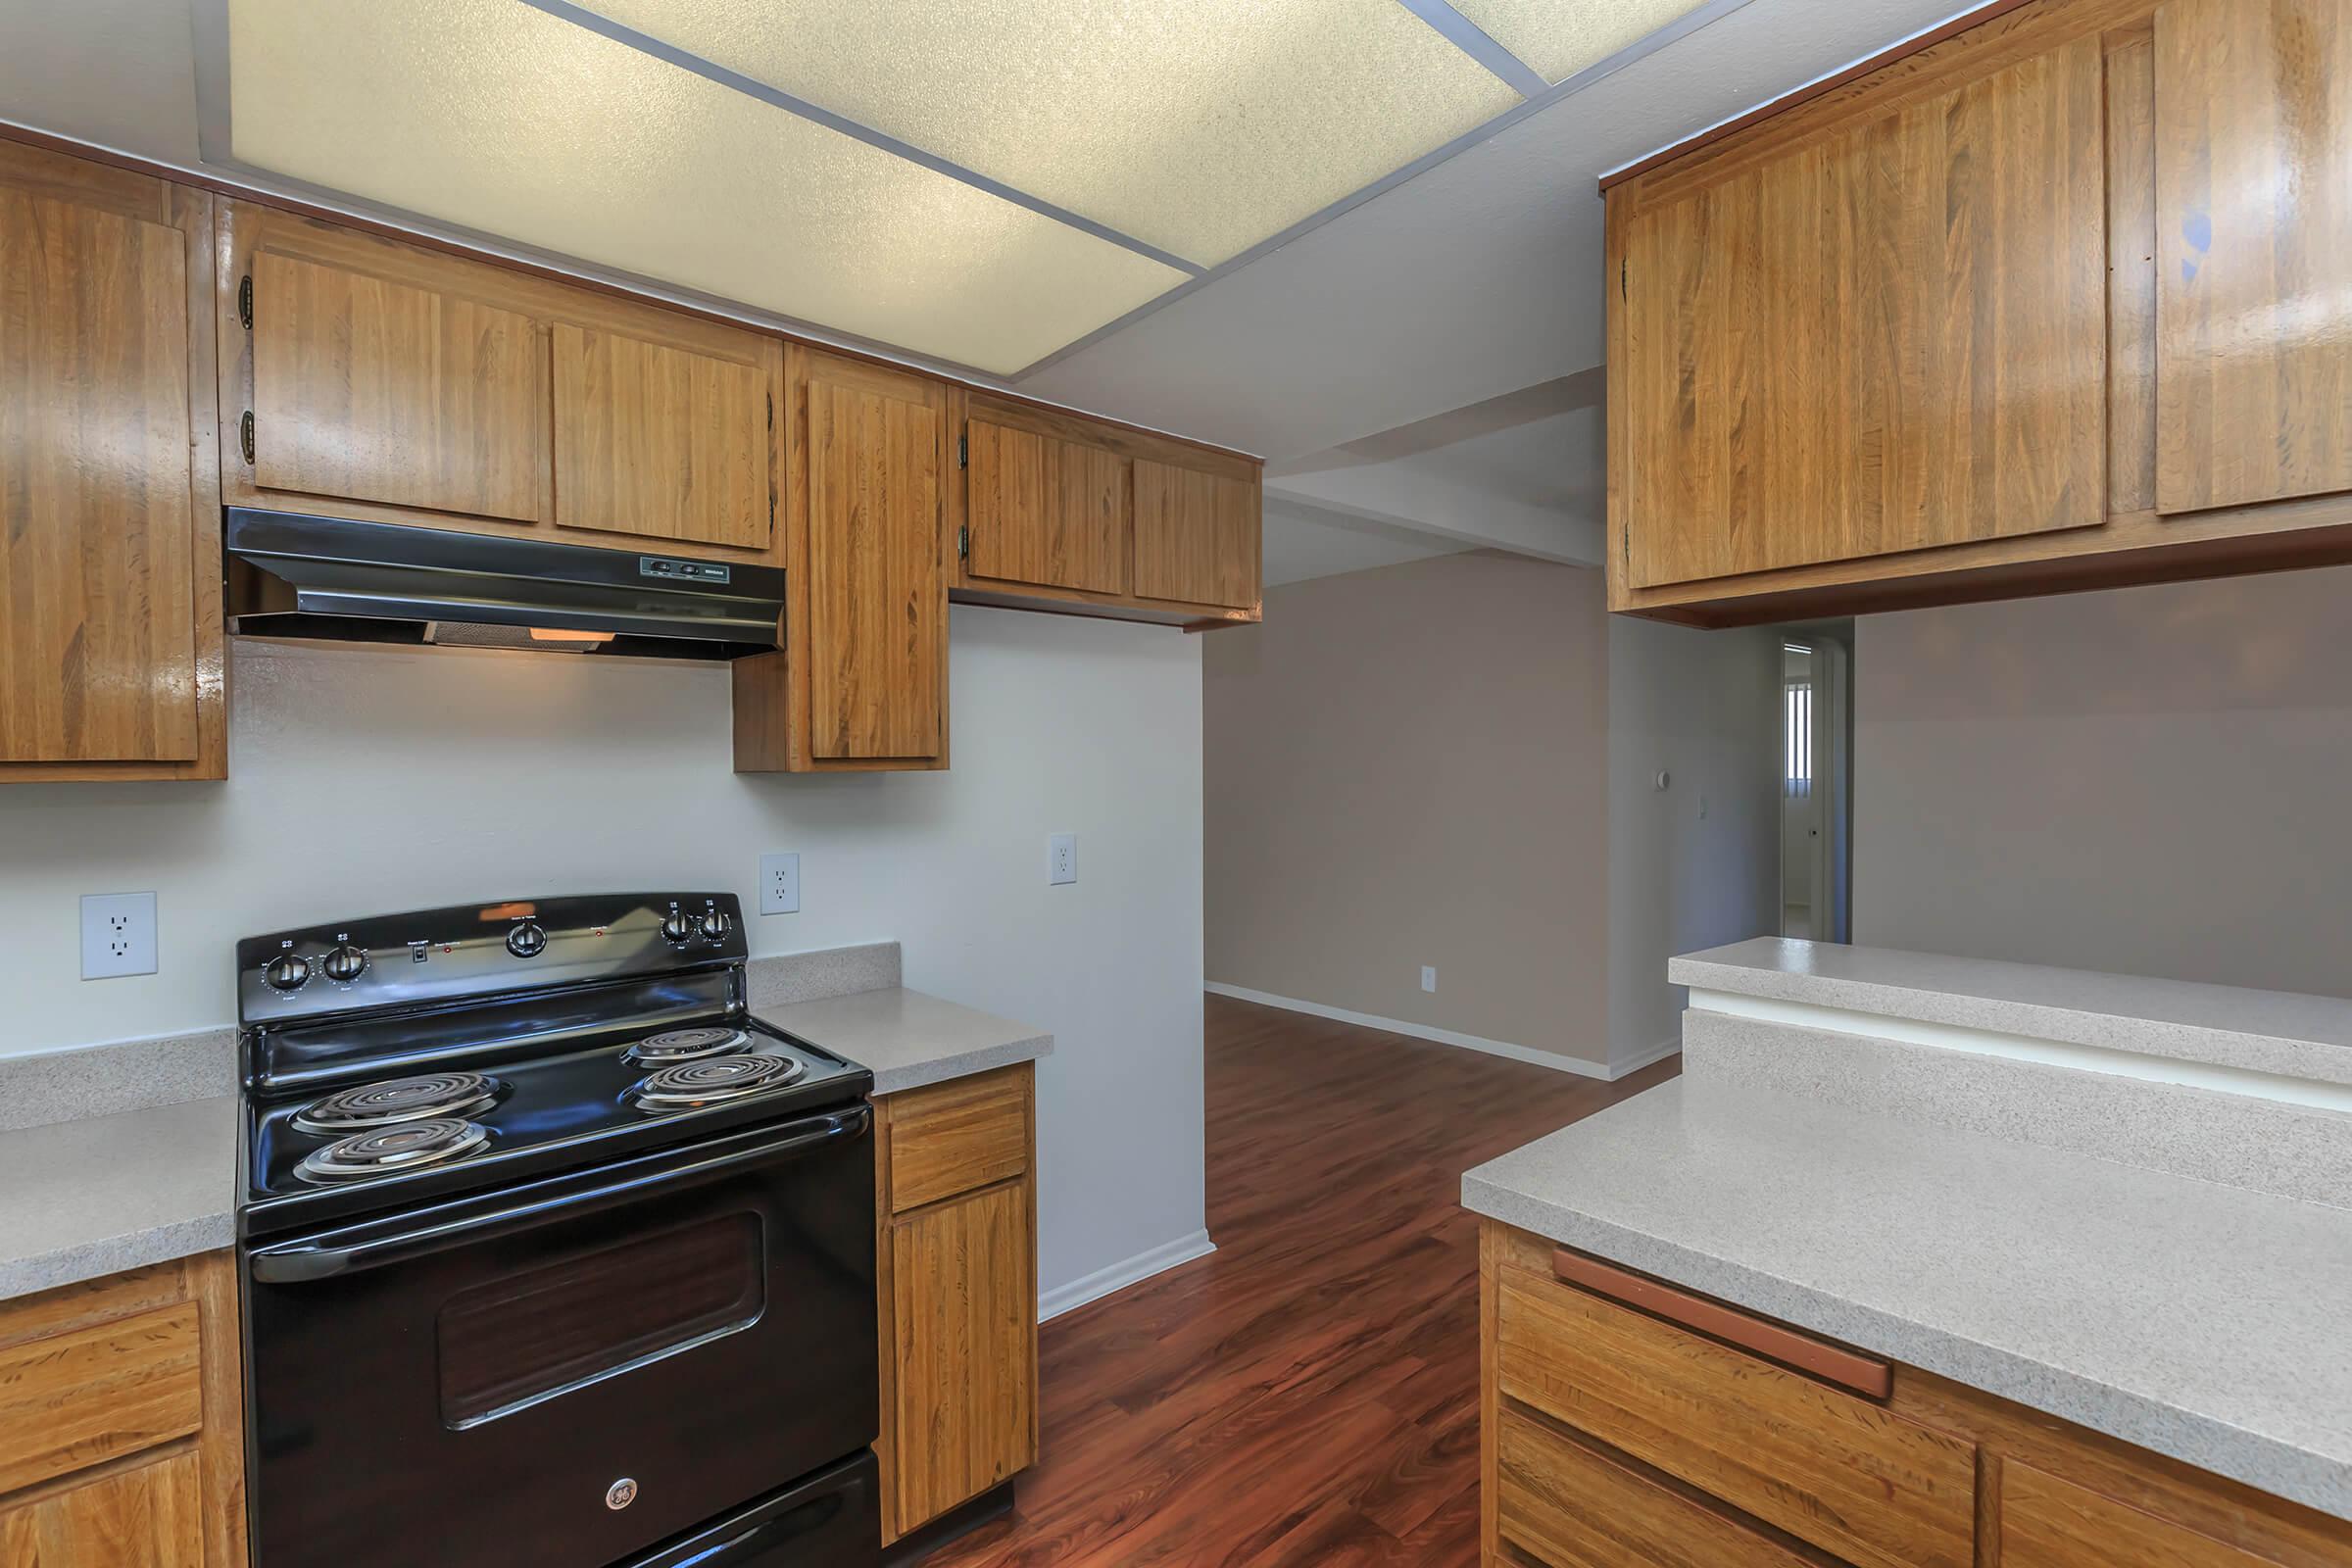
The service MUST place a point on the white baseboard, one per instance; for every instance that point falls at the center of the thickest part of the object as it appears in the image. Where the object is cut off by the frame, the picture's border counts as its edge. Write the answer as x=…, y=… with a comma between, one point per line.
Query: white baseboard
x=1444, y=1037
x=1657, y=1052
x=1131, y=1271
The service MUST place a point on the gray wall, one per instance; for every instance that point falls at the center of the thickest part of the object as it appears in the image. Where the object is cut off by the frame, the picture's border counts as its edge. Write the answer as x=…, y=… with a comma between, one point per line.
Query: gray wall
x=2151, y=780
x=1450, y=762
x=1697, y=864
x=1407, y=766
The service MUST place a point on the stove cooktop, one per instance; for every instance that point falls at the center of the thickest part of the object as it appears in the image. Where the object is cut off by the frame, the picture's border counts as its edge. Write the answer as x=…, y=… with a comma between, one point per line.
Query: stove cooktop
x=533, y=1116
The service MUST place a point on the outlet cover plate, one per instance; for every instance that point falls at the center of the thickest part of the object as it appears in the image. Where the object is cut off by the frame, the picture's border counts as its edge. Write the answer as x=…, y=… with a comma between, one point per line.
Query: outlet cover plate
x=118, y=935
x=781, y=883
x=1429, y=977
x=1062, y=860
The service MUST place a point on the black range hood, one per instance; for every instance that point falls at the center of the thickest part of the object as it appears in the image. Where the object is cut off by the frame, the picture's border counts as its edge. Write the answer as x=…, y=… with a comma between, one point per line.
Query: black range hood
x=332, y=579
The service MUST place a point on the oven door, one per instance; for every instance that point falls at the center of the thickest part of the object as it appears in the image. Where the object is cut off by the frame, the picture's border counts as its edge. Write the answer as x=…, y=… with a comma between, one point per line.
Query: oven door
x=571, y=1370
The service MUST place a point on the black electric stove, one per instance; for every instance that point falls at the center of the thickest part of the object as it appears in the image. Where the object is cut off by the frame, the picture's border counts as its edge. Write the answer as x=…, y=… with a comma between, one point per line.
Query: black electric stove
x=550, y=1247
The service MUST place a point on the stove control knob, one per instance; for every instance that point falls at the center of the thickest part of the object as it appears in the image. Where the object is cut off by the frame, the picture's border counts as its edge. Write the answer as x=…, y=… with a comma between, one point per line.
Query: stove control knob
x=679, y=926
x=345, y=964
x=286, y=971
x=715, y=926
x=527, y=940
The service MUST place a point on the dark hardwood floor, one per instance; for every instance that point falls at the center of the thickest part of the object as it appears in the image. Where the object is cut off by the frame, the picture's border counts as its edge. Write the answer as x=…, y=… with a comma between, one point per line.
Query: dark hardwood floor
x=1307, y=1393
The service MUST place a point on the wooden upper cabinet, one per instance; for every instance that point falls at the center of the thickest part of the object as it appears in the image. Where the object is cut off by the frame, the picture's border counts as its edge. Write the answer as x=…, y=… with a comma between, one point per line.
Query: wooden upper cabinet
x=1042, y=507
x=1197, y=536
x=400, y=383
x=863, y=680
x=108, y=532
x=2254, y=250
x=1889, y=336
x=663, y=442
x=396, y=389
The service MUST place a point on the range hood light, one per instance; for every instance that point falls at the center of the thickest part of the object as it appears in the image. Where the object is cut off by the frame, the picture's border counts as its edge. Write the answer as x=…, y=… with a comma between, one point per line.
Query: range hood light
x=556, y=634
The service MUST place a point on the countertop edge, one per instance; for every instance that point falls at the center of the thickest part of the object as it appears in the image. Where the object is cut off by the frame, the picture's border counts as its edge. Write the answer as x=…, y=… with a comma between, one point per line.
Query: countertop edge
x=96, y=1258
x=2264, y=1463
x=963, y=1064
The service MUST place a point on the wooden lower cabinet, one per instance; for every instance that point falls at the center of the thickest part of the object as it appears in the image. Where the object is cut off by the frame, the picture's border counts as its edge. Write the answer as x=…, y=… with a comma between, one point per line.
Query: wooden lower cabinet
x=955, y=1201
x=1614, y=1435
x=121, y=1432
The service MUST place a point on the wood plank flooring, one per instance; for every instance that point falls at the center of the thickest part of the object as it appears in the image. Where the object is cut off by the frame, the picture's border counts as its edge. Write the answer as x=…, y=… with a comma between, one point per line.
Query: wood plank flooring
x=1309, y=1392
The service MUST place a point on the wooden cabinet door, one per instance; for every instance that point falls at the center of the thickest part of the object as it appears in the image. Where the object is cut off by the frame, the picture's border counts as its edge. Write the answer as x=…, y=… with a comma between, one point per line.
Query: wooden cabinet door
x=663, y=442
x=1197, y=536
x=2050, y=1522
x=1887, y=337
x=2254, y=250
x=148, y=1516
x=1043, y=509
x=98, y=528
x=391, y=384
x=963, y=1285
x=876, y=580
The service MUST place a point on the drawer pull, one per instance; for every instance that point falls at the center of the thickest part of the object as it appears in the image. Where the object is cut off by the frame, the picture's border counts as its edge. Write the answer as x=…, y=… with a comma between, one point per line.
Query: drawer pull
x=1832, y=1363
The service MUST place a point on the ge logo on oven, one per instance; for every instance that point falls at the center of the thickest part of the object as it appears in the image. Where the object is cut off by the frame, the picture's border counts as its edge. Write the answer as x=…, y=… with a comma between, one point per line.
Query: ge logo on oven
x=621, y=1494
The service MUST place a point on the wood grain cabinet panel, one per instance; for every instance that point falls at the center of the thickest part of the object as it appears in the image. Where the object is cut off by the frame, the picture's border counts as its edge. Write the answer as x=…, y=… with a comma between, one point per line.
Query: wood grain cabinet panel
x=1887, y=339
x=1573, y=1507
x=963, y=1278
x=2050, y=1522
x=662, y=442
x=74, y=1399
x=147, y=1516
x=955, y=1137
x=877, y=585
x=2254, y=250
x=369, y=387
x=1045, y=510
x=99, y=530
x=1197, y=536
x=1843, y=1473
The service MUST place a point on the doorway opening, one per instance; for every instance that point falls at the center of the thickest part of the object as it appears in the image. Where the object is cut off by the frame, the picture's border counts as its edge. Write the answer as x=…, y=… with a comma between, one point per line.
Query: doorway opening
x=1816, y=782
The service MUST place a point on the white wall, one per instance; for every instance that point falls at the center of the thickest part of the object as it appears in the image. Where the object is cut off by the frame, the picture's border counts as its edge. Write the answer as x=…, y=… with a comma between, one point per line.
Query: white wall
x=367, y=781
x=2150, y=780
x=1704, y=707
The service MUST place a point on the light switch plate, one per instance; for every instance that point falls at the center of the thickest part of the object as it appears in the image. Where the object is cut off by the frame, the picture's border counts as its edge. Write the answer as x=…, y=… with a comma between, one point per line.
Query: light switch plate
x=1429, y=977
x=1062, y=860
x=118, y=935
x=781, y=883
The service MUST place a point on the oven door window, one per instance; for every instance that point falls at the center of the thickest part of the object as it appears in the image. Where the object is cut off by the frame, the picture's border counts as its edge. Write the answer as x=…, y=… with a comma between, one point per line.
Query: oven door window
x=515, y=1342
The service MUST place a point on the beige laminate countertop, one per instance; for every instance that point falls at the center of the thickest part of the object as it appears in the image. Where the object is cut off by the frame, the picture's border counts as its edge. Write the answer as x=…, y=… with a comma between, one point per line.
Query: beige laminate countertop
x=83, y=1199
x=909, y=1039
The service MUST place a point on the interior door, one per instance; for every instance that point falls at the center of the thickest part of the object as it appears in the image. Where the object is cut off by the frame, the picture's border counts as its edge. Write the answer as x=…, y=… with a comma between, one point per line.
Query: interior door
x=2254, y=251
x=97, y=529
x=662, y=441
x=876, y=575
x=1197, y=536
x=1890, y=337
x=1045, y=510
x=380, y=388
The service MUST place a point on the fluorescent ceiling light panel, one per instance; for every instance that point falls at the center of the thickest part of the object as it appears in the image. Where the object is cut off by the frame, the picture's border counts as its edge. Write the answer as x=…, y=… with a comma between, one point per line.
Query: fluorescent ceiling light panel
x=1197, y=126
x=496, y=116
x=1561, y=37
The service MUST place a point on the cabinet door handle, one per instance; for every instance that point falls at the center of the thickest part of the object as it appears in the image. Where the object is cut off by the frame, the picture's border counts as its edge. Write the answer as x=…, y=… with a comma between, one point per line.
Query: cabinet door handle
x=1832, y=1364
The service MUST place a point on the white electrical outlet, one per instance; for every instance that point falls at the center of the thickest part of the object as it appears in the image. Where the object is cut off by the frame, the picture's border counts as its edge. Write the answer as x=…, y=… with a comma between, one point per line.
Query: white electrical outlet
x=1062, y=860
x=1429, y=977
x=118, y=935
x=780, y=884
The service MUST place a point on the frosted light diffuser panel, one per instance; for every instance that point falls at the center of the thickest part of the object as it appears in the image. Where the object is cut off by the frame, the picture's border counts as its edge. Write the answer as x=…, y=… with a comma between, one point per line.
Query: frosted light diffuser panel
x=499, y=118
x=1196, y=126
x=1557, y=38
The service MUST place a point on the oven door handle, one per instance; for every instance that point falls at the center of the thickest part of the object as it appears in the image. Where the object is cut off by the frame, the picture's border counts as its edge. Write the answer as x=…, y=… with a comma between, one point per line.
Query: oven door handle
x=298, y=1262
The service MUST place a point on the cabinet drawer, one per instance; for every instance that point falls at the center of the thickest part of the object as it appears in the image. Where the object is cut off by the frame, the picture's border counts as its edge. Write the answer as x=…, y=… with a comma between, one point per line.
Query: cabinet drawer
x=1572, y=1507
x=2050, y=1522
x=952, y=1138
x=74, y=1399
x=1840, y=1472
